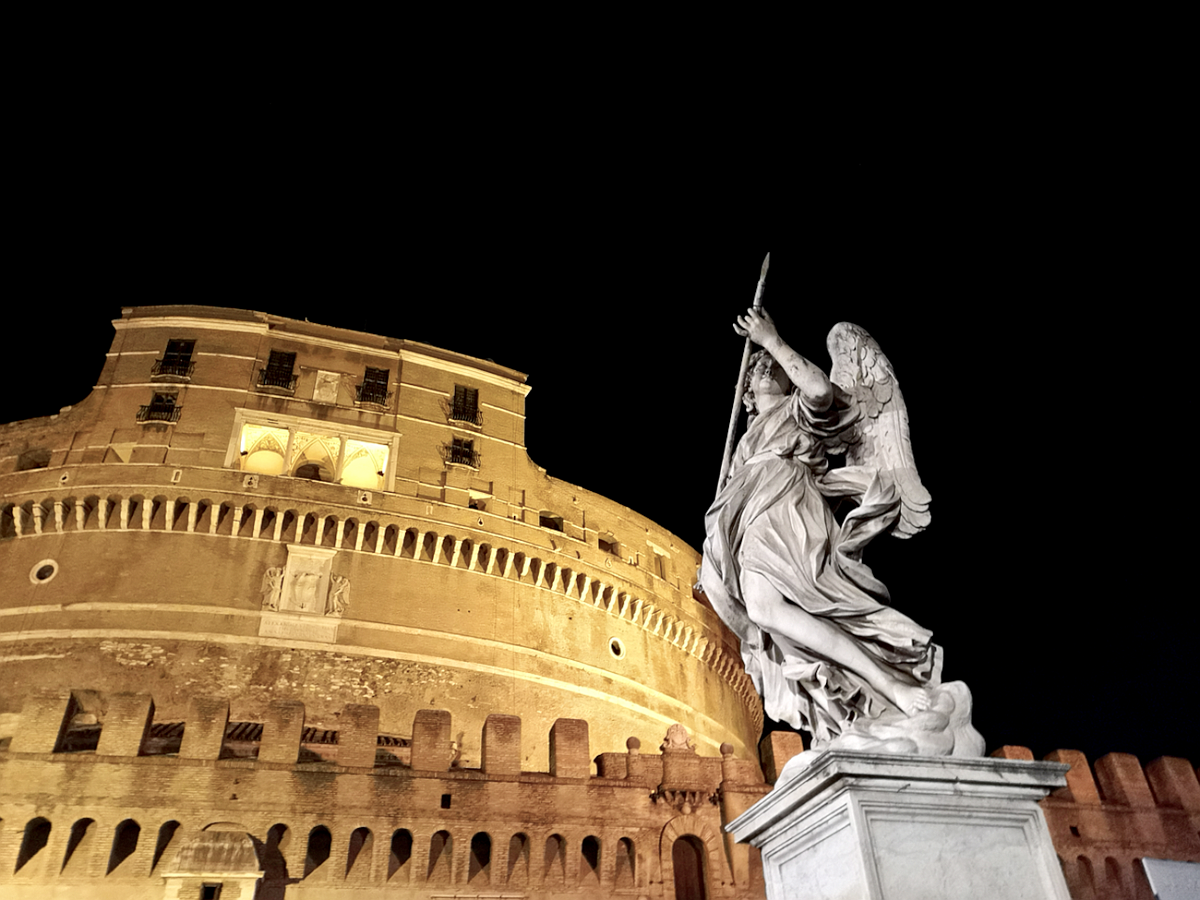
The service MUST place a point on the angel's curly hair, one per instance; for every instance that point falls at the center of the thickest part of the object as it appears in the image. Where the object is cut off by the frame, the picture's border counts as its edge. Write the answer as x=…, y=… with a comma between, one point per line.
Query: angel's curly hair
x=748, y=399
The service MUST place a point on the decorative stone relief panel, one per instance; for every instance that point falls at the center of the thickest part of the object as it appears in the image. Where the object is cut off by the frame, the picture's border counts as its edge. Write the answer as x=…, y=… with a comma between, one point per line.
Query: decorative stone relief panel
x=301, y=598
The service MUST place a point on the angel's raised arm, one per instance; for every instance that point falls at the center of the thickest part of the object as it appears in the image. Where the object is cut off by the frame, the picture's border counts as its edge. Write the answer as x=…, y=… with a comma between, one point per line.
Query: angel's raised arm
x=810, y=381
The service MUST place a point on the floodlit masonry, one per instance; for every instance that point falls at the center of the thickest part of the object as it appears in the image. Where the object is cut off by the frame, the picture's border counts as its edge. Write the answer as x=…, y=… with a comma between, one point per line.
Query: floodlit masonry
x=162, y=810
x=271, y=594
x=252, y=507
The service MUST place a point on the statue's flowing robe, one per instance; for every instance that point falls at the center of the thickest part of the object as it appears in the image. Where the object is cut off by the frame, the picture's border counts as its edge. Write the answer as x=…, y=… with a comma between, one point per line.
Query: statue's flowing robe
x=773, y=517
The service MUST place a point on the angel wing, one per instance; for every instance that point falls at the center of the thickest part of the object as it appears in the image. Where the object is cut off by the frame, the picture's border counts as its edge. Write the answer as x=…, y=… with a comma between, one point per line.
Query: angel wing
x=879, y=439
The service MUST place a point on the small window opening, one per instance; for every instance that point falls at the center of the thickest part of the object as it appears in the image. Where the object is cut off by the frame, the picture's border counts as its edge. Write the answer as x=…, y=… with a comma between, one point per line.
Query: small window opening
x=462, y=451
x=445, y=801
x=278, y=371
x=161, y=408
x=1075, y=830
x=465, y=407
x=374, y=387
x=616, y=648
x=610, y=545
x=176, y=359
x=549, y=520
x=210, y=892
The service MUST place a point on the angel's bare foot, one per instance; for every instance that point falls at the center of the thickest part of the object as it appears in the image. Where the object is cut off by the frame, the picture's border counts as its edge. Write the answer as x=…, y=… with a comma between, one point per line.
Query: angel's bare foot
x=911, y=699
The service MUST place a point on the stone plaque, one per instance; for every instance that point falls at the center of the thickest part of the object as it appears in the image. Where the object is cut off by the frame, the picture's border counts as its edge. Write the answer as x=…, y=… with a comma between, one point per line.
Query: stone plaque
x=298, y=627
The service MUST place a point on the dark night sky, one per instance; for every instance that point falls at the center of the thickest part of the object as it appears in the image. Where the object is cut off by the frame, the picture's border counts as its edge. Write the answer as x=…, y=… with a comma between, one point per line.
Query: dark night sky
x=1018, y=304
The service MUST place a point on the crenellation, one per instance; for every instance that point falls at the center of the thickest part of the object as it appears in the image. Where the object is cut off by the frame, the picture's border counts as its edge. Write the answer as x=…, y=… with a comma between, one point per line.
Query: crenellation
x=282, y=728
x=204, y=728
x=1174, y=783
x=127, y=725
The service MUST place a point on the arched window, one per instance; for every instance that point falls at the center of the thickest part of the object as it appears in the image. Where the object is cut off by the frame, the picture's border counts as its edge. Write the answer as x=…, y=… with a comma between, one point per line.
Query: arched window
x=481, y=859
x=518, y=859
x=439, y=858
x=37, y=833
x=401, y=854
x=626, y=876
x=125, y=840
x=320, y=842
x=688, y=862
x=274, y=856
x=1114, y=881
x=1086, y=878
x=555, y=860
x=81, y=834
x=589, y=865
x=360, y=848
x=165, y=833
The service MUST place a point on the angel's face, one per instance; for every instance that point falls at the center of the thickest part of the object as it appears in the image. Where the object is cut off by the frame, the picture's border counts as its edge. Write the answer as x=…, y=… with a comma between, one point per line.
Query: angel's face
x=768, y=378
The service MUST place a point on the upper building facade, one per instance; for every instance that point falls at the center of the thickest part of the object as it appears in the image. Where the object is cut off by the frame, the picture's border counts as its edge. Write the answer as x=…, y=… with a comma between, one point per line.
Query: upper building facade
x=255, y=507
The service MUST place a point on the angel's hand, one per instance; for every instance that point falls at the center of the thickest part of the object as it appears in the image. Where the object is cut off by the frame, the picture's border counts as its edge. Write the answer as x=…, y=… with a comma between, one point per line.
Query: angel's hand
x=757, y=325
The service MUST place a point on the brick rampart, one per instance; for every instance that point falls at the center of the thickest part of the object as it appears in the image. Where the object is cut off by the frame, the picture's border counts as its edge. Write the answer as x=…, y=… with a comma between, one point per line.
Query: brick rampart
x=1114, y=814
x=126, y=815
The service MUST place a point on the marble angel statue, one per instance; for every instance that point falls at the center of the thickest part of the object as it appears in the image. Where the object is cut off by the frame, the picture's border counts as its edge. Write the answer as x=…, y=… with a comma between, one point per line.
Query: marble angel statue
x=818, y=638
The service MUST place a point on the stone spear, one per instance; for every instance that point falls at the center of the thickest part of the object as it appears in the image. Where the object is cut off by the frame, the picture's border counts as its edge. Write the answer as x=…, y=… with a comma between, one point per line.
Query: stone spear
x=731, y=436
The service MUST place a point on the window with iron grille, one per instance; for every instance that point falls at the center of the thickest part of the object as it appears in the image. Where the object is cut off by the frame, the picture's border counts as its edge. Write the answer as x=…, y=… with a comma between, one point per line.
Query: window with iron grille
x=465, y=407
x=463, y=452
x=161, y=408
x=374, y=387
x=176, y=360
x=278, y=371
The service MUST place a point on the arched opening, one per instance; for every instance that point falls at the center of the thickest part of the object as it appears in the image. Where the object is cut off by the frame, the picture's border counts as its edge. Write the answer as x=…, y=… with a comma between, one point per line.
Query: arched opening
x=1085, y=879
x=329, y=533
x=626, y=875
x=447, y=549
x=320, y=842
x=688, y=860
x=429, y=546
x=401, y=855
x=287, y=532
x=480, y=868
x=274, y=858
x=166, y=833
x=81, y=832
x=555, y=860
x=370, y=536
x=464, y=554
x=360, y=849
x=518, y=859
x=589, y=864
x=439, y=858
x=125, y=840
x=37, y=834
x=482, y=557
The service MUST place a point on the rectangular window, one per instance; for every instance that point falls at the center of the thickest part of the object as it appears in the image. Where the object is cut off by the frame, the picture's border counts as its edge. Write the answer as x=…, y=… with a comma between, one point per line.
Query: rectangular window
x=462, y=452
x=374, y=387
x=549, y=520
x=465, y=407
x=176, y=360
x=610, y=545
x=210, y=892
x=278, y=371
x=161, y=408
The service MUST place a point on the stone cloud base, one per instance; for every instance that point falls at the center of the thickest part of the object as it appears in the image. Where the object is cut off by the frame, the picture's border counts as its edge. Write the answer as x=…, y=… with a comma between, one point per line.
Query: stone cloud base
x=856, y=826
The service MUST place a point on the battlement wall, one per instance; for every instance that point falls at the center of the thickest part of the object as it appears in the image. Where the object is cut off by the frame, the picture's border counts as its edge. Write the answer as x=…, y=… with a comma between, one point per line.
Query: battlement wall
x=108, y=805
x=1115, y=813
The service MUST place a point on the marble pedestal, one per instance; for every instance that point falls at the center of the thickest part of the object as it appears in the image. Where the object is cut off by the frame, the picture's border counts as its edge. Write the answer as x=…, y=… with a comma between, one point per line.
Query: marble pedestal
x=858, y=826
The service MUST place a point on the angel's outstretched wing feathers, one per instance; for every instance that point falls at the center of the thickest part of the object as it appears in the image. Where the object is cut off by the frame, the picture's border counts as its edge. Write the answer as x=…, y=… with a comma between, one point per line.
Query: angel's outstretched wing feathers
x=879, y=439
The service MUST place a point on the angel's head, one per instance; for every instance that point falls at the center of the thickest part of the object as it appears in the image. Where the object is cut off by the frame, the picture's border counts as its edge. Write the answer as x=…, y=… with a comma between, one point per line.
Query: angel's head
x=763, y=374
